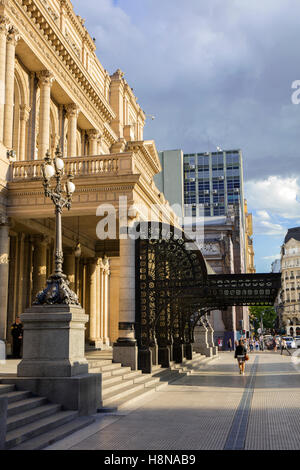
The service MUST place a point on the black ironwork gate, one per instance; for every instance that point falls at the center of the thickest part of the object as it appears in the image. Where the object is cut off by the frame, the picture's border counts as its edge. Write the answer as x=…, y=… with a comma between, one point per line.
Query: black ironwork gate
x=173, y=290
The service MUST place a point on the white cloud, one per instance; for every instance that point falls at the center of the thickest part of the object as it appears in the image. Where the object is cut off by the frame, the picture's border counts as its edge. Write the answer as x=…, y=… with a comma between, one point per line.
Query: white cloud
x=271, y=257
x=279, y=196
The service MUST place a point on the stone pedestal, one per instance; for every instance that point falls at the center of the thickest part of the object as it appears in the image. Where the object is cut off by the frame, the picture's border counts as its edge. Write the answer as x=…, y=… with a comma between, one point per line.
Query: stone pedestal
x=53, y=343
x=178, y=353
x=126, y=353
x=53, y=363
x=188, y=351
x=164, y=356
x=201, y=343
x=145, y=361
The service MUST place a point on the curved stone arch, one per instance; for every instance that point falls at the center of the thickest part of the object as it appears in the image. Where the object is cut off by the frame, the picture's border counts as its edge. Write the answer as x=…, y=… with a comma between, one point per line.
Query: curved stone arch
x=23, y=81
x=21, y=102
x=78, y=143
x=167, y=263
x=54, y=127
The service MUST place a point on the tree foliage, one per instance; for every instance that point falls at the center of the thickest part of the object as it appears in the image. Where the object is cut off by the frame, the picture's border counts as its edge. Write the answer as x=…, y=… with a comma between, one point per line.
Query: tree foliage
x=266, y=312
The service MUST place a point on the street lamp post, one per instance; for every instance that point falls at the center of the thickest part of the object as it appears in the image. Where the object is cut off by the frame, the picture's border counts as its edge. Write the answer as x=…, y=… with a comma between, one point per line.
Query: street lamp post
x=57, y=290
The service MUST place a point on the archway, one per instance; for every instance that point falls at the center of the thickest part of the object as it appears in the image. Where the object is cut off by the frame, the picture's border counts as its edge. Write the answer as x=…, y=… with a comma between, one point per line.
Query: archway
x=173, y=287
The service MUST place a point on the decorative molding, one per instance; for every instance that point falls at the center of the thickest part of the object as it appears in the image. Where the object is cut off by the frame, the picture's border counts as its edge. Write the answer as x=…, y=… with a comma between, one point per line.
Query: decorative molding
x=45, y=77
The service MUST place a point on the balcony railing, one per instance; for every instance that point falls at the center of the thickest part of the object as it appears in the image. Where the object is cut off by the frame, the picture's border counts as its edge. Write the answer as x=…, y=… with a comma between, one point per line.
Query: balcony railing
x=98, y=165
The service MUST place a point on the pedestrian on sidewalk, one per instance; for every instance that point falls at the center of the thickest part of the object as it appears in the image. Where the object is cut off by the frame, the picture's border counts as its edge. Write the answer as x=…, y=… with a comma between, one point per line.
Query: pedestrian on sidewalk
x=17, y=335
x=229, y=344
x=240, y=355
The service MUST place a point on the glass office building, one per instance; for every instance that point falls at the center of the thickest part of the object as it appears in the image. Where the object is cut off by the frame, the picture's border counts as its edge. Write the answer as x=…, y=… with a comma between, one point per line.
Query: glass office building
x=212, y=181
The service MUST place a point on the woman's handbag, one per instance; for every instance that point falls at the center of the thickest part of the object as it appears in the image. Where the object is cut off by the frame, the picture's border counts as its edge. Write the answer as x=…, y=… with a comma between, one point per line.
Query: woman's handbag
x=246, y=357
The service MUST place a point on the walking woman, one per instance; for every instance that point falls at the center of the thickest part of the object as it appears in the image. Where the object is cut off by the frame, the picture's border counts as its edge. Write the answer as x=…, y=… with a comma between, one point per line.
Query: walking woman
x=240, y=355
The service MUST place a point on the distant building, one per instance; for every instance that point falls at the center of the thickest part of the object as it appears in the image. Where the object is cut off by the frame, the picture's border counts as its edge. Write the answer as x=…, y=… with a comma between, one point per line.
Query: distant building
x=210, y=185
x=223, y=250
x=170, y=180
x=290, y=279
x=249, y=250
x=276, y=266
x=212, y=182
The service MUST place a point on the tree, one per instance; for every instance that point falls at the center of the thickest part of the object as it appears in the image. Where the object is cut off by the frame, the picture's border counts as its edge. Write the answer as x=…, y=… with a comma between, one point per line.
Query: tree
x=266, y=313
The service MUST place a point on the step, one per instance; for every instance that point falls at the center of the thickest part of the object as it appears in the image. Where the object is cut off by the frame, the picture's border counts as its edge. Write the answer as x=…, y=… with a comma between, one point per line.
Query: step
x=50, y=437
x=106, y=381
x=146, y=379
x=98, y=363
x=114, y=396
x=107, y=390
x=17, y=436
x=155, y=368
x=25, y=405
x=17, y=396
x=4, y=389
x=121, y=371
x=120, y=403
x=31, y=415
x=132, y=375
x=109, y=367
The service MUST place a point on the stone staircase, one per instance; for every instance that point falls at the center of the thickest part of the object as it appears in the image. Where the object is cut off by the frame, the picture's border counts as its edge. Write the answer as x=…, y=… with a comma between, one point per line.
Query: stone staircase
x=34, y=423
x=122, y=386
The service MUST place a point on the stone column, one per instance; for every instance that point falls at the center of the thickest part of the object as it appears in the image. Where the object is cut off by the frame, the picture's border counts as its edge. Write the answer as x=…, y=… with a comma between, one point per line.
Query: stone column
x=3, y=35
x=39, y=275
x=72, y=115
x=98, y=303
x=69, y=267
x=93, y=292
x=45, y=82
x=4, y=273
x=125, y=349
x=114, y=288
x=12, y=39
x=94, y=339
x=24, y=116
x=93, y=135
x=106, y=273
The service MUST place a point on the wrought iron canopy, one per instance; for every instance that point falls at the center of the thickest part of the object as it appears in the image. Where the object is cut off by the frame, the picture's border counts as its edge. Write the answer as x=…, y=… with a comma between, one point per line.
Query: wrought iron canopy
x=172, y=285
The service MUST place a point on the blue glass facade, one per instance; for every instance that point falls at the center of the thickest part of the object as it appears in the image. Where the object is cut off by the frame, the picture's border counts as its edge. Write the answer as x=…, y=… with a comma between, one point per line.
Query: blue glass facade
x=212, y=181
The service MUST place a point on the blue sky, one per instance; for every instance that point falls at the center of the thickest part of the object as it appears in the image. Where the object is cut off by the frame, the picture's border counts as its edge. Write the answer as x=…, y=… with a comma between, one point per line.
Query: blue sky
x=216, y=73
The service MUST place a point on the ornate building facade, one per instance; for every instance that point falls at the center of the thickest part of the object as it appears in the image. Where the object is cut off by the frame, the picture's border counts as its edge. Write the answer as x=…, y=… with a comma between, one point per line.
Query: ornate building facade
x=55, y=92
x=290, y=282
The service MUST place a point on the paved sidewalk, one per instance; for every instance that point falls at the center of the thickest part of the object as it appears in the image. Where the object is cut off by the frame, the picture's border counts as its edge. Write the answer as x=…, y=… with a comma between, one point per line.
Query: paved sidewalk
x=215, y=408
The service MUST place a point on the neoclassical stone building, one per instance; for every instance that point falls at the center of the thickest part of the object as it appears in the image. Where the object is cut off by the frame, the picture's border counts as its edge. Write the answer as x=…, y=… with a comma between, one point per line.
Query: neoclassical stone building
x=223, y=250
x=290, y=282
x=54, y=91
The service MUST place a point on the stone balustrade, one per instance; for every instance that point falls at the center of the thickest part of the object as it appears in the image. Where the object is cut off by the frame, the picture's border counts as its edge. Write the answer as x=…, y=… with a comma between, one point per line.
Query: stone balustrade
x=78, y=166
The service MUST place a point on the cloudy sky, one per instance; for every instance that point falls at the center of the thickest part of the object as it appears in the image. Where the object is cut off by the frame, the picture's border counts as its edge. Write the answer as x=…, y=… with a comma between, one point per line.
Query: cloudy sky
x=216, y=73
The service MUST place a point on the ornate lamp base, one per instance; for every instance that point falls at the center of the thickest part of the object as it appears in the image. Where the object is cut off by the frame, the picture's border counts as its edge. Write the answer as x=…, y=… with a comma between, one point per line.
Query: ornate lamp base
x=57, y=291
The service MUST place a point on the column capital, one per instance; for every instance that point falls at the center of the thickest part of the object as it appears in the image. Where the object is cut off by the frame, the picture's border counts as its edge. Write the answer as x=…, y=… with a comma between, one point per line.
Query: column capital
x=40, y=239
x=24, y=112
x=13, y=35
x=45, y=77
x=72, y=110
x=93, y=134
x=5, y=220
x=4, y=24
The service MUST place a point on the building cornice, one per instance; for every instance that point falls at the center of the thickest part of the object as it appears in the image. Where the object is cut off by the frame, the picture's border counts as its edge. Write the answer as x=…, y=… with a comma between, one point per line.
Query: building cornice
x=39, y=29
